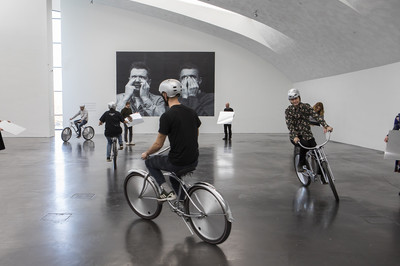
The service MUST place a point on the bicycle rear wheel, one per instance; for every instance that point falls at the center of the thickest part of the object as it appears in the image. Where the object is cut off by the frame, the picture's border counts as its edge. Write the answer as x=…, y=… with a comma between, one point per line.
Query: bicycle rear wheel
x=88, y=133
x=115, y=153
x=331, y=182
x=146, y=205
x=208, y=217
x=303, y=177
x=66, y=134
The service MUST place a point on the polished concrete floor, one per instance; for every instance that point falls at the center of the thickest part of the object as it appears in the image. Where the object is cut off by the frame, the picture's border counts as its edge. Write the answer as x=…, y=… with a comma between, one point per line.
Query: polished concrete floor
x=63, y=204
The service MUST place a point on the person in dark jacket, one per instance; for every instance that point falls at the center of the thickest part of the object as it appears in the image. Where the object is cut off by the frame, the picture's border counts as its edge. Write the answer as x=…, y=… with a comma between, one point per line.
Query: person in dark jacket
x=228, y=127
x=126, y=112
x=112, y=118
x=2, y=146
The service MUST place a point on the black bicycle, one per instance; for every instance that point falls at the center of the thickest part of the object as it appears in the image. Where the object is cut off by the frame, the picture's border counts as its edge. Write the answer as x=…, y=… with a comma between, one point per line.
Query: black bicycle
x=114, y=151
x=87, y=132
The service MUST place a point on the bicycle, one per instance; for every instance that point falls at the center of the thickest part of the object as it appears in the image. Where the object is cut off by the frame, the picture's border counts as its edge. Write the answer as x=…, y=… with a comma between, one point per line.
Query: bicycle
x=201, y=205
x=317, y=165
x=87, y=132
x=114, y=151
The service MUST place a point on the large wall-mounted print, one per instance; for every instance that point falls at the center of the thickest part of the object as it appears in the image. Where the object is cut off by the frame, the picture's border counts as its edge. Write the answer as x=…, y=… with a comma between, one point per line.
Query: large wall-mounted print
x=139, y=75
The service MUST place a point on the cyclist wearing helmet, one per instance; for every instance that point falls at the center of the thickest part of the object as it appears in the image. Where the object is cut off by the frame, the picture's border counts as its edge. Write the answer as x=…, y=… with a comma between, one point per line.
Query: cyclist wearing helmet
x=297, y=120
x=112, y=118
x=84, y=119
x=181, y=125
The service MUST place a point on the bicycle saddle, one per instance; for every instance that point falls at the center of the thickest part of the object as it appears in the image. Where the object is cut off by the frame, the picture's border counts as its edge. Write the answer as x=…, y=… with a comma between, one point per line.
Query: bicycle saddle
x=184, y=171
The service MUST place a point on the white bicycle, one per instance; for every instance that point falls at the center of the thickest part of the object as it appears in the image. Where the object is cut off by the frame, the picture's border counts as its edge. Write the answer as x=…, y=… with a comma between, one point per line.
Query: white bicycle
x=317, y=167
x=201, y=205
x=87, y=132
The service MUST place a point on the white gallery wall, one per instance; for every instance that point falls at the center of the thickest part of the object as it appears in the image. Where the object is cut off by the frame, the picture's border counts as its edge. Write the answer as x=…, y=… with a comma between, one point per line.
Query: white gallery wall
x=26, y=96
x=92, y=33
x=361, y=106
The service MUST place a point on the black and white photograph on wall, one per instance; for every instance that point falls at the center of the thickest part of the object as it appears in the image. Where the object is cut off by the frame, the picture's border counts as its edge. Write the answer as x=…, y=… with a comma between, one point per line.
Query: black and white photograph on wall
x=139, y=75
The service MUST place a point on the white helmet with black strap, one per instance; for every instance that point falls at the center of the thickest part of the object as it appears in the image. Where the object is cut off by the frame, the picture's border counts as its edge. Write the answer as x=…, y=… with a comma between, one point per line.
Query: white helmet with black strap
x=293, y=94
x=171, y=87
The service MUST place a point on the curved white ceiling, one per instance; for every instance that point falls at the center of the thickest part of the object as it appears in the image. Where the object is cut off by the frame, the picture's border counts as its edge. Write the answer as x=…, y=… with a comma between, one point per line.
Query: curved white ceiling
x=305, y=39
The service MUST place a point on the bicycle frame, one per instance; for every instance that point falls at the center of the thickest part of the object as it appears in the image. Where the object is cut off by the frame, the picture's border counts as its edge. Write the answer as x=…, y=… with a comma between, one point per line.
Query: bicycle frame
x=318, y=154
x=174, y=205
x=73, y=126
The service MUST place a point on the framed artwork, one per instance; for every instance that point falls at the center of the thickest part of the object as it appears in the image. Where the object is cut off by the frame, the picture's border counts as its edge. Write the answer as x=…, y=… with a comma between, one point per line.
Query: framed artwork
x=139, y=75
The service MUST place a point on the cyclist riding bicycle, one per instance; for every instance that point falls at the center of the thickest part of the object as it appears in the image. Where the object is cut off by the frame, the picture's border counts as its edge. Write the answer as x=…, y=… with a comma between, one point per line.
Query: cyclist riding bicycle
x=181, y=125
x=80, y=122
x=112, y=118
x=297, y=120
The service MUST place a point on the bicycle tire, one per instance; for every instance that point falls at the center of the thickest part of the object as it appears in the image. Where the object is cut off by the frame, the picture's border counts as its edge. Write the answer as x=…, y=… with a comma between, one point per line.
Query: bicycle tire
x=304, y=179
x=115, y=154
x=66, y=134
x=145, y=208
x=330, y=180
x=88, y=133
x=214, y=227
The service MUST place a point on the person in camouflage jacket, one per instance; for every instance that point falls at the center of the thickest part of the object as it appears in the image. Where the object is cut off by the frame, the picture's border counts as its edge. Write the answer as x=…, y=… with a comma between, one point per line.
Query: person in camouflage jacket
x=297, y=120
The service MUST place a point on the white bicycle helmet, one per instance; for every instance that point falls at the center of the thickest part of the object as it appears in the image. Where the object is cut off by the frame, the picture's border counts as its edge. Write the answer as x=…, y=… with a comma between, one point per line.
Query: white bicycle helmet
x=111, y=105
x=293, y=94
x=170, y=86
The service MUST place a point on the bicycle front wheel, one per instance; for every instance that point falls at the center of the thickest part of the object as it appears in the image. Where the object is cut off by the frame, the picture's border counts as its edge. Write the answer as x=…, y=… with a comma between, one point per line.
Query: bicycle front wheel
x=88, y=133
x=303, y=177
x=66, y=134
x=330, y=180
x=145, y=205
x=208, y=217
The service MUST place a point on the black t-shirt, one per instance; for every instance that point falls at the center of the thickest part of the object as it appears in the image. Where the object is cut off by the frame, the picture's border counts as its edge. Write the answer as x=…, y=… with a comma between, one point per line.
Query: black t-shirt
x=112, y=119
x=181, y=124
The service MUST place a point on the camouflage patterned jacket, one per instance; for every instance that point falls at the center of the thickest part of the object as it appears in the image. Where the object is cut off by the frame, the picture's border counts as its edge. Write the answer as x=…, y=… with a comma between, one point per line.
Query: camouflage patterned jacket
x=297, y=120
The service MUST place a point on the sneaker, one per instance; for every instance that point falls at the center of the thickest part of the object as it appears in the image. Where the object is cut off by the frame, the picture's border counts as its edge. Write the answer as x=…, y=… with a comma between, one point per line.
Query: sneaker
x=166, y=196
x=108, y=159
x=121, y=147
x=132, y=144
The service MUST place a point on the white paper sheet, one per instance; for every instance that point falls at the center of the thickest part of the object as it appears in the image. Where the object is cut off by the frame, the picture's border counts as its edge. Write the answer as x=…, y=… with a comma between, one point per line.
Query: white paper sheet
x=393, y=146
x=225, y=117
x=11, y=127
x=136, y=119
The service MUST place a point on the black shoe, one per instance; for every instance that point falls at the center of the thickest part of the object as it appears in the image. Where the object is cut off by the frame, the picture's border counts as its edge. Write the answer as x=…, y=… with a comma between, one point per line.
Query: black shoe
x=166, y=196
x=78, y=136
x=224, y=139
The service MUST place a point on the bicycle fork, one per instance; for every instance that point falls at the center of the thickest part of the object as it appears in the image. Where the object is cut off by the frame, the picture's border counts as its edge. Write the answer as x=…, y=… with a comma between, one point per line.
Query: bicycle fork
x=321, y=157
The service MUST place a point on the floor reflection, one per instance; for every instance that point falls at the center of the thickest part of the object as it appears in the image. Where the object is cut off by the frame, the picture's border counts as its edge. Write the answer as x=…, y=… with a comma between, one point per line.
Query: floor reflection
x=318, y=212
x=144, y=242
x=66, y=147
x=195, y=253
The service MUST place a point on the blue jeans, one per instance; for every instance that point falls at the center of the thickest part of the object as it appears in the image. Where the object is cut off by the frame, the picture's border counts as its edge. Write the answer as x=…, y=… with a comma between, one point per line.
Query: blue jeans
x=79, y=125
x=109, y=144
x=157, y=163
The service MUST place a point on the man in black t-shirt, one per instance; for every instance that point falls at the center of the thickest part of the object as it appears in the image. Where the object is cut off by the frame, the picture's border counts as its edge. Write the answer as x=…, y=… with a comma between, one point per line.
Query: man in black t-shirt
x=181, y=125
x=112, y=119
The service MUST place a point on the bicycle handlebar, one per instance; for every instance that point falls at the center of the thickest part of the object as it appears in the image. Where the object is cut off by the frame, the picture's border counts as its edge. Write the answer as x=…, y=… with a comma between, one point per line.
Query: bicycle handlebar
x=160, y=151
x=318, y=146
